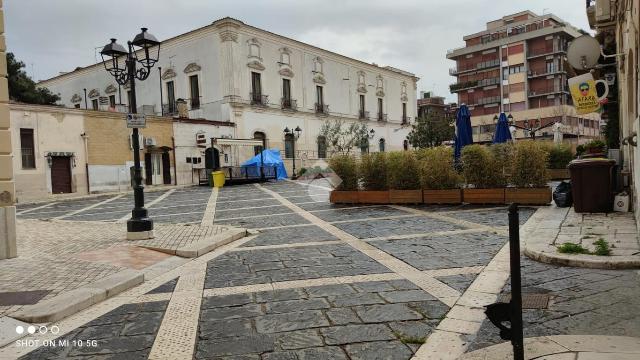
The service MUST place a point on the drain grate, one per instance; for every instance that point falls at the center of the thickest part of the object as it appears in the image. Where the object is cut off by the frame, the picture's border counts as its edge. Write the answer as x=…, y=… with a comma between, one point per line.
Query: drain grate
x=529, y=301
x=22, y=297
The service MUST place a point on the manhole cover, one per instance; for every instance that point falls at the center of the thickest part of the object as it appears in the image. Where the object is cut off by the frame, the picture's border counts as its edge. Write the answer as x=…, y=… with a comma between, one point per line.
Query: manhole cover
x=529, y=301
x=22, y=297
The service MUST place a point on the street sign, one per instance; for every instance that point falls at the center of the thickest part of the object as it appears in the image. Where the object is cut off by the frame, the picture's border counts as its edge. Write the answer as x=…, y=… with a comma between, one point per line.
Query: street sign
x=136, y=121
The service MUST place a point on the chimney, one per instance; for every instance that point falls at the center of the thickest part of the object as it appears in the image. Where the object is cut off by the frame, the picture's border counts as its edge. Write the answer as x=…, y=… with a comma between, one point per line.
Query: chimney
x=183, y=111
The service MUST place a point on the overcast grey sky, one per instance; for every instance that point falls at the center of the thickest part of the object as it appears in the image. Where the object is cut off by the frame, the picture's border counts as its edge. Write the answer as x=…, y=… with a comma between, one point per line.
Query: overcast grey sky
x=414, y=35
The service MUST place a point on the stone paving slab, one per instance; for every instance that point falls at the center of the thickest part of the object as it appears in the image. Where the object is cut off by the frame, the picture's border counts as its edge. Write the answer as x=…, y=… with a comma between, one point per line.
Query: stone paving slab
x=378, y=317
x=273, y=265
x=559, y=225
x=303, y=234
x=389, y=227
x=266, y=221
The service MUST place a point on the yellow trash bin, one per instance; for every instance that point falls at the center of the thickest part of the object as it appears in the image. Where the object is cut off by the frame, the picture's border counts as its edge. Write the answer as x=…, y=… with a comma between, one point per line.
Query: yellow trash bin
x=218, y=178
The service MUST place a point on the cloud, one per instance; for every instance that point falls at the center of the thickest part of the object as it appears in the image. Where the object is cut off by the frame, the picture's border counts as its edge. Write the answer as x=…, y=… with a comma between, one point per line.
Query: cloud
x=413, y=35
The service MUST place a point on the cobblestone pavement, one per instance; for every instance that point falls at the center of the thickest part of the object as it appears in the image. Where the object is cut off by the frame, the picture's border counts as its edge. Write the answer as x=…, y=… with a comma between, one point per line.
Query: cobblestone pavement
x=320, y=281
x=582, y=302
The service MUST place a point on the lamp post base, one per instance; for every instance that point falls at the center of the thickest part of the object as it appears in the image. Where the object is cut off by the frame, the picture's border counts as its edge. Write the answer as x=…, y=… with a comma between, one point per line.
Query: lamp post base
x=139, y=229
x=140, y=235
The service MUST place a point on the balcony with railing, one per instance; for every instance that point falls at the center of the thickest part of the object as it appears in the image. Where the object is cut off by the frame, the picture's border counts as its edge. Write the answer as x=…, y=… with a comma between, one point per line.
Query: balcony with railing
x=477, y=66
x=474, y=84
x=508, y=31
x=406, y=119
x=382, y=117
x=258, y=99
x=544, y=50
x=485, y=100
x=363, y=115
x=321, y=109
x=548, y=90
x=543, y=71
x=288, y=104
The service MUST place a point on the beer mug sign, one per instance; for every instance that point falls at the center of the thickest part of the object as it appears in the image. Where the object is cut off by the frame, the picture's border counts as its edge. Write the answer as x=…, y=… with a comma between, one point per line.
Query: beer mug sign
x=583, y=92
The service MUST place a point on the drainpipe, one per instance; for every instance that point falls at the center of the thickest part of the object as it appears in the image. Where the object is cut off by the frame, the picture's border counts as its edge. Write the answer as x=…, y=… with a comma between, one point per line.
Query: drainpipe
x=86, y=106
x=160, y=77
x=175, y=160
x=85, y=137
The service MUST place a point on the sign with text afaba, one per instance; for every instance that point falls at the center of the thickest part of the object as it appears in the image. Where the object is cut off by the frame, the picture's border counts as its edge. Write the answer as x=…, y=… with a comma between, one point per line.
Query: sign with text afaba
x=136, y=121
x=584, y=94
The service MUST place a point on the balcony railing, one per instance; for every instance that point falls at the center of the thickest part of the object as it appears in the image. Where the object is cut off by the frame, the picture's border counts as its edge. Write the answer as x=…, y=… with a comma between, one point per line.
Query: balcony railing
x=406, y=119
x=382, y=117
x=289, y=104
x=488, y=100
x=322, y=109
x=548, y=90
x=259, y=99
x=543, y=71
x=363, y=115
x=477, y=66
x=474, y=83
x=546, y=50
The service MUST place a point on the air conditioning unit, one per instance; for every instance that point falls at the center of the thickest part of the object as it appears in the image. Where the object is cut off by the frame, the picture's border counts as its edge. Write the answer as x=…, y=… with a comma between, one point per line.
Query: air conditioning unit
x=149, y=141
x=603, y=10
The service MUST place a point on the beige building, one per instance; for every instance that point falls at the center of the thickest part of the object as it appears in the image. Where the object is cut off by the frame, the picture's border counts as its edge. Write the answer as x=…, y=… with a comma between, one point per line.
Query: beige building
x=620, y=20
x=49, y=149
x=8, y=247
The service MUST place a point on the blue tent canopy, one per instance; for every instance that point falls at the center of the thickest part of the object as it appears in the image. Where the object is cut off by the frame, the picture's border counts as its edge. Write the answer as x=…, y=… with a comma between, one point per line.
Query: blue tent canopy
x=463, y=130
x=502, y=134
x=271, y=157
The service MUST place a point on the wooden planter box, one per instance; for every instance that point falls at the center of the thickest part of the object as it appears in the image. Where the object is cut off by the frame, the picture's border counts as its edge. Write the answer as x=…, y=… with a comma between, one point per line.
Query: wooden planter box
x=528, y=196
x=483, y=196
x=373, y=197
x=343, y=197
x=405, y=196
x=449, y=196
x=559, y=174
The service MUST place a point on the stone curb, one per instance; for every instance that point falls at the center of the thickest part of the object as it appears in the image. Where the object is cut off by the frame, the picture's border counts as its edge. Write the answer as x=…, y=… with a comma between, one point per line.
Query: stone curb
x=204, y=246
x=558, y=346
x=71, y=302
x=546, y=226
x=550, y=255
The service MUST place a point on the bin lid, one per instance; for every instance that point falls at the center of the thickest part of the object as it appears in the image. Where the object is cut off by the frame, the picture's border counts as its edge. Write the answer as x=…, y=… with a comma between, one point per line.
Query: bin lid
x=592, y=162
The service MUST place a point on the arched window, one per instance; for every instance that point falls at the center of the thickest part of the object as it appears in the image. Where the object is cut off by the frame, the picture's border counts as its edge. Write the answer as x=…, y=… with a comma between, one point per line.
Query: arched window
x=259, y=136
x=405, y=144
x=322, y=147
x=288, y=146
x=381, y=145
x=364, y=145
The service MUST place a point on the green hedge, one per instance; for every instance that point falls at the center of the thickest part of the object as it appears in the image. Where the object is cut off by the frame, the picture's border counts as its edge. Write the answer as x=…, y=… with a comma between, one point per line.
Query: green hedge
x=436, y=169
x=345, y=166
x=560, y=155
x=402, y=171
x=372, y=171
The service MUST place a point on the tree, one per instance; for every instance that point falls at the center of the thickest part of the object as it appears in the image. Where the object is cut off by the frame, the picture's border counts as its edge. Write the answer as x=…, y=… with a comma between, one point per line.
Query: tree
x=22, y=88
x=341, y=138
x=430, y=130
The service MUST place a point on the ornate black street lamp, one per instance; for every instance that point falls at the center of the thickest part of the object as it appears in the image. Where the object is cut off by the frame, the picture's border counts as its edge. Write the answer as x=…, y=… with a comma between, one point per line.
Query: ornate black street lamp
x=140, y=51
x=529, y=127
x=295, y=134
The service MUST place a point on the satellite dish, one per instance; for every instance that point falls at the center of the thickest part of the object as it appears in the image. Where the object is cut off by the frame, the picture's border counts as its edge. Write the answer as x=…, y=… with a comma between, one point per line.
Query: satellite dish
x=583, y=52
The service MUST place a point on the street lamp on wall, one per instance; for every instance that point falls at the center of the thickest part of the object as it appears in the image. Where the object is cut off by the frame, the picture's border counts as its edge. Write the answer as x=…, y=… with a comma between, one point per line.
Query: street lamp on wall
x=139, y=51
x=295, y=135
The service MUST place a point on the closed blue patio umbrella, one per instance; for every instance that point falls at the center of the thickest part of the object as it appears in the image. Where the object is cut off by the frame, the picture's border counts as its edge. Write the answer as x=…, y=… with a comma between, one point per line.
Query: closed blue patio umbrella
x=502, y=134
x=463, y=135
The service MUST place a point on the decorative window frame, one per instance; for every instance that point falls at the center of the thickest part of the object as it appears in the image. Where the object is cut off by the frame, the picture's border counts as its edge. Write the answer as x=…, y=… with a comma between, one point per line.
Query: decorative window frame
x=255, y=60
x=76, y=98
x=94, y=93
x=379, y=86
x=111, y=89
x=403, y=92
x=362, y=82
x=169, y=74
x=318, y=76
x=190, y=70
x=192, y=67
x=285, y=67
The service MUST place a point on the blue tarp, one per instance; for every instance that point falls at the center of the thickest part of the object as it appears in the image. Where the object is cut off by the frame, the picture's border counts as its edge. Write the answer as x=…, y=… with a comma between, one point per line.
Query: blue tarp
x=463, y=130
x=502, y=134
x=271, y=157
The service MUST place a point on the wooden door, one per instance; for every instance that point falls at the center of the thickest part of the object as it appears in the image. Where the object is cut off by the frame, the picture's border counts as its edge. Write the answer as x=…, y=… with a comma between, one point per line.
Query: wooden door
x=166, y=169
x=60, y=174
x=148, y=173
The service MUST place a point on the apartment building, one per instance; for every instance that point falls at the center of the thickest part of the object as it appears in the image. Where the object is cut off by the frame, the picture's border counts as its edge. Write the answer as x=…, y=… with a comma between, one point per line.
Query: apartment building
x=516, y=65
x=229, y=71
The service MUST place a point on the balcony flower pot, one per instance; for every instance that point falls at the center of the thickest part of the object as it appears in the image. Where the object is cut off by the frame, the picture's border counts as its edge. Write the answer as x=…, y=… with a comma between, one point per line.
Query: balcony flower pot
x=483, y=196
x=528, y=196
x=446, y=196
x=559, y=174
x=405, y=196
x=343, y=197
x=373, y=197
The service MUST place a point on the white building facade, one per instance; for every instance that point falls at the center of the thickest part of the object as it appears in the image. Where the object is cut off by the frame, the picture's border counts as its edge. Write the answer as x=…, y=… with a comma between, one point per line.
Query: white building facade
x=262, y=82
